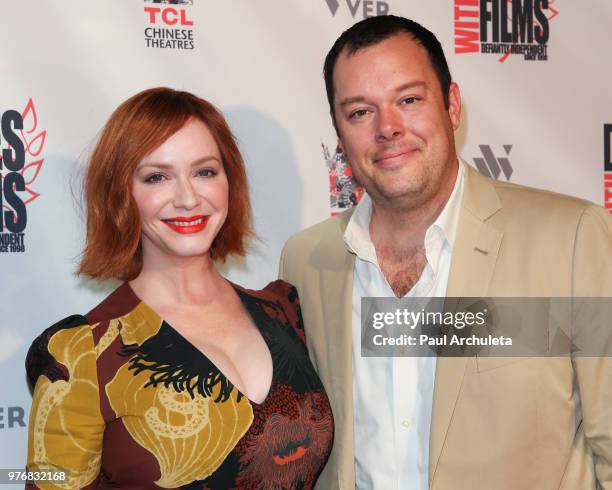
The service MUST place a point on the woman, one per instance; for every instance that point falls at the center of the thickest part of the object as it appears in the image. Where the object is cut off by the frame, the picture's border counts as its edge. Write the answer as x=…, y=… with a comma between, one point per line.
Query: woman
x=178, y=379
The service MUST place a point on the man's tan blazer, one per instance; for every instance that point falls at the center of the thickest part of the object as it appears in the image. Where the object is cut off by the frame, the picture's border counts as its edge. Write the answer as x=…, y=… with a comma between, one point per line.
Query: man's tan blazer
x=497, y=423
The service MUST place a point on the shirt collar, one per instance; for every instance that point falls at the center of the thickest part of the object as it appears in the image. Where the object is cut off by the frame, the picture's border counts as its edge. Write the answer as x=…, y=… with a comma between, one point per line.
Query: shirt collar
x=448, y=219
x=357, y=234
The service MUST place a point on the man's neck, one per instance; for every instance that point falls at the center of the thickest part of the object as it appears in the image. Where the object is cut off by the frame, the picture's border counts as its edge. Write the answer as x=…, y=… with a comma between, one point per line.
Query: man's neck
x=398, y=235
x=403, y=228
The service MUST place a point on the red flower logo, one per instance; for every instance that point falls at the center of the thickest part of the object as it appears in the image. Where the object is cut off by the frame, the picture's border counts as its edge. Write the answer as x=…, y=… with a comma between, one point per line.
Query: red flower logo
x=34, y=141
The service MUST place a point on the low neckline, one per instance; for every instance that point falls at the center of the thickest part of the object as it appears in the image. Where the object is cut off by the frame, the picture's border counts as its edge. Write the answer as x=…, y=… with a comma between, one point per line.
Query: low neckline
x=244, y=298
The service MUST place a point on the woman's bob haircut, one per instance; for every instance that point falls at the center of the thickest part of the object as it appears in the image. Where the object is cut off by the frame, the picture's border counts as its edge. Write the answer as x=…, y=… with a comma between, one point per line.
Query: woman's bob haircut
x=137, y=127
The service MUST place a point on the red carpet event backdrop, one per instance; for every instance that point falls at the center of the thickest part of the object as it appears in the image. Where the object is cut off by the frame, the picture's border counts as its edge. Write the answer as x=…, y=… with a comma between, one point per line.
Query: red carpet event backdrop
x=534, y=78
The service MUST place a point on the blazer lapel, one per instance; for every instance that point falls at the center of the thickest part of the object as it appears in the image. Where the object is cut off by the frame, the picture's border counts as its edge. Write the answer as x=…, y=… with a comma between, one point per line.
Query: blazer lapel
x=337, y=296
x=474, y=256
x=336, y=266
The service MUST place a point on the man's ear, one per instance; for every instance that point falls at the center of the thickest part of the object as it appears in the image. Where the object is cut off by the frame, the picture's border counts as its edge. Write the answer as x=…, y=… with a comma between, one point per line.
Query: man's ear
x=454, y=105
x=334, y=124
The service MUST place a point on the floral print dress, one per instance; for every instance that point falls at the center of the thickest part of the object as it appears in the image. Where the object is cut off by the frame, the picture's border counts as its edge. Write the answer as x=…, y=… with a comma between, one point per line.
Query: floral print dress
x=122, y=400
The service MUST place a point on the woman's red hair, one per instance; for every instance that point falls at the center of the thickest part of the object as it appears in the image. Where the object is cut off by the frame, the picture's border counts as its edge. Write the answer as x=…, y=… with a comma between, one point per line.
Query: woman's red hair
x=136, y=128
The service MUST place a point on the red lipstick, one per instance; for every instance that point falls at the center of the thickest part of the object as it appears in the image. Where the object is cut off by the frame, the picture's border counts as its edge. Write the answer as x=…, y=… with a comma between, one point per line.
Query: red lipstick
x=187, y=225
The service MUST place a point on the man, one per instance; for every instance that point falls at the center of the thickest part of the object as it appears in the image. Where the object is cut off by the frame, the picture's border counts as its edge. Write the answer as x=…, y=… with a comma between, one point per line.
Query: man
x=431, y=226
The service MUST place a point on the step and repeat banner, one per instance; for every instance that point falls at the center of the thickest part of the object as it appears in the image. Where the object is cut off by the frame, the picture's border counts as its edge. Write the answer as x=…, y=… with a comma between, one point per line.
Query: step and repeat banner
x=534, y=77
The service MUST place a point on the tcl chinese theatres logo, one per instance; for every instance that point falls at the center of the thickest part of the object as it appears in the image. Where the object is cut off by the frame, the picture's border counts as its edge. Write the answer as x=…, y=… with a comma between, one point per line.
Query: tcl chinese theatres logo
x=169, y=27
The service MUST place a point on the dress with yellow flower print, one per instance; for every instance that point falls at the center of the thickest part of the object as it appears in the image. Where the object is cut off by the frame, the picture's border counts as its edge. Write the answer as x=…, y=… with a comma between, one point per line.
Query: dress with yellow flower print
x=122, y=400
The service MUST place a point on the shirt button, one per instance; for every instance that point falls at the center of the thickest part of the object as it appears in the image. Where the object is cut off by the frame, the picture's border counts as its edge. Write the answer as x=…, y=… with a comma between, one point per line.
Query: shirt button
x=406, y=424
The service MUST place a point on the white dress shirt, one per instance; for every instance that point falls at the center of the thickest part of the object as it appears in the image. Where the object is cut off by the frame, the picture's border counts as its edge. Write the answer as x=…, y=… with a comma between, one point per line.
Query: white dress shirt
x=392, y=396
